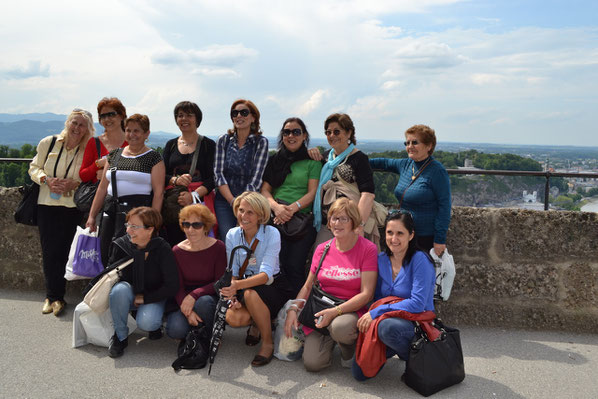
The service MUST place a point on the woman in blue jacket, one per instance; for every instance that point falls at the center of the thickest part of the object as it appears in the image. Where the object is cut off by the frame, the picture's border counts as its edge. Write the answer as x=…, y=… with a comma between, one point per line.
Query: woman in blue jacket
x=423, y=189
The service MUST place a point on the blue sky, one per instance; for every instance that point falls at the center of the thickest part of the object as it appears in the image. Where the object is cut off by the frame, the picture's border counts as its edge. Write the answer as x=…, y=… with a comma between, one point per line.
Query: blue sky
x=516, y=72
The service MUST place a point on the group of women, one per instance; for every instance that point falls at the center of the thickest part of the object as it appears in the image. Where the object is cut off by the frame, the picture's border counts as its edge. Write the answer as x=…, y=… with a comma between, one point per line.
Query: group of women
x=258, y=200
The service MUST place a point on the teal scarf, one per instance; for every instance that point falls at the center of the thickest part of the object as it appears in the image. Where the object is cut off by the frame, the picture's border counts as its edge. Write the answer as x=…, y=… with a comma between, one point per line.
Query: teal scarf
x=326, y=175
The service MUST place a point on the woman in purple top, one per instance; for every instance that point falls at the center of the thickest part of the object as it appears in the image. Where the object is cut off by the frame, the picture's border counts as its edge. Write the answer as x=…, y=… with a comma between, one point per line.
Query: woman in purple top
x=403, y=271
x=201, y=260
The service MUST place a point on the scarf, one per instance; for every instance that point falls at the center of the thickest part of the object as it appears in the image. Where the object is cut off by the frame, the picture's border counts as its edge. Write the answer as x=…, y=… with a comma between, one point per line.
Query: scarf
x=326, y=175
x=279, y=165
x=138, y=255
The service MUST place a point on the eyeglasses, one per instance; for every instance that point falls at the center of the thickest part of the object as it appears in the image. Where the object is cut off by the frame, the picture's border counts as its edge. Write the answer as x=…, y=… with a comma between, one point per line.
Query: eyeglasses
x=235, y=112
x=294, y=132
x=82, y=111
x=336, y=132
x=110, y=114
x=134, y=226
x=195, y=225
x=412, y=142
x=342, y=219
x=393, y=212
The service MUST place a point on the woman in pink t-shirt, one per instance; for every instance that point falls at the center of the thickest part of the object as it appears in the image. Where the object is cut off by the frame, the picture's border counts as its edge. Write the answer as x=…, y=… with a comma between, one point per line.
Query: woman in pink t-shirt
x=349, y=272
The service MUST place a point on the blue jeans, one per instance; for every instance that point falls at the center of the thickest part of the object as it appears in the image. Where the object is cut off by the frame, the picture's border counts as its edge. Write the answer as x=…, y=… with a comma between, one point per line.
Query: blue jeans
x=149, y=315
x=177, y=326
x=396, y=334
x=225, y=216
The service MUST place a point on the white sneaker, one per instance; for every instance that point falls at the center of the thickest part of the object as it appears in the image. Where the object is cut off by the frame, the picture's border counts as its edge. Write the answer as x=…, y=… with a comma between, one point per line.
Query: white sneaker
x=347, y=363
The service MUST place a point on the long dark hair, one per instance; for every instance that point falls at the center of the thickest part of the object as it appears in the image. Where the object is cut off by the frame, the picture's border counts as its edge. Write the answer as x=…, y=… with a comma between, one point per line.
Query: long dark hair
x=407, y=220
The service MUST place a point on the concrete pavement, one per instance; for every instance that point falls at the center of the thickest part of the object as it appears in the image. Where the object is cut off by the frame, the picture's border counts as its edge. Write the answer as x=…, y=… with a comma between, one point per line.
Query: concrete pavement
x=37, y=361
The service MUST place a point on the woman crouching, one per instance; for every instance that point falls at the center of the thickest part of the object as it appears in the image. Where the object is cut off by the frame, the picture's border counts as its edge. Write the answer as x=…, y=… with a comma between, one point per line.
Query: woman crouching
x=264, y=290
x=147, y=283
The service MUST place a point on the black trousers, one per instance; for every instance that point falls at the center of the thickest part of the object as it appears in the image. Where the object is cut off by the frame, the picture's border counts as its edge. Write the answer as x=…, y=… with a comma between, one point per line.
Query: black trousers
x=57, y=226
x=295, y=261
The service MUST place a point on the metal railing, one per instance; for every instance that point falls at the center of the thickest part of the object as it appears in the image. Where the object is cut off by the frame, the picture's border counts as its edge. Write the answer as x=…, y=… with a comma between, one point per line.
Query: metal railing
x=547, y=175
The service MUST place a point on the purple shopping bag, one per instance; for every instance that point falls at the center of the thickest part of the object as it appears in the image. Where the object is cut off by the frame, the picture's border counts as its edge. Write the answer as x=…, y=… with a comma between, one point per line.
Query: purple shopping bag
x=87, y=261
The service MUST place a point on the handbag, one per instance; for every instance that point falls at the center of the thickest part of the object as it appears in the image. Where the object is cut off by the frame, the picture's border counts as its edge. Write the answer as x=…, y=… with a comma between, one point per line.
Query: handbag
x=445, y=274
x=318, y=300
x=26, y=212
x=193, y=354
x=85, y=193
x=90, y=251
x=170, y=205
x=297, y=227
x=97, y=298
x=434, y=365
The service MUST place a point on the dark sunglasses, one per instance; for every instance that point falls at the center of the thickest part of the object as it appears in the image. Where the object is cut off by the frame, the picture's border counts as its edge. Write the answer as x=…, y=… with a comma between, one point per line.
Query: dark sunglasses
x=195, y=225
x=336, y=132
x=235, y=112
x=412, y=142
x=393, y=212
x=110, y=114
x=294, y=132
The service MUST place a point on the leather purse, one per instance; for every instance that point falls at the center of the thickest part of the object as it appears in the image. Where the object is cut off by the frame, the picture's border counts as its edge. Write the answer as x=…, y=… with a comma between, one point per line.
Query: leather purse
x=85, y=193
x=318, y=300
x=97, y=298
x=297, y=227
x=434, y=365
x=26, y=212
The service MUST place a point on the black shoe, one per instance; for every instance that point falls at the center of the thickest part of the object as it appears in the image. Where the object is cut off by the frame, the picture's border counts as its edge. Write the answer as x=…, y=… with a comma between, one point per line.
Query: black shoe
x=156, y=334
x=117, y=347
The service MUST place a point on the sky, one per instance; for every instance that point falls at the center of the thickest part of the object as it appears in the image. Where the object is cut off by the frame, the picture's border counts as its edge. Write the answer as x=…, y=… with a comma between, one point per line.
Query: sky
x=500, y=71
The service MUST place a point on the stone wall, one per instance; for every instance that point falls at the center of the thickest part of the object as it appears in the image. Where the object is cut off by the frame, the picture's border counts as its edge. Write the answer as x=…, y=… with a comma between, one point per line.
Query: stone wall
x=515, y=268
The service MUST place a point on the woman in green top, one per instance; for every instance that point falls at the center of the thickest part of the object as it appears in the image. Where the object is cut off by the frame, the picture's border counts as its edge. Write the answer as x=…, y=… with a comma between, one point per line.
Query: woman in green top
x=290, y=182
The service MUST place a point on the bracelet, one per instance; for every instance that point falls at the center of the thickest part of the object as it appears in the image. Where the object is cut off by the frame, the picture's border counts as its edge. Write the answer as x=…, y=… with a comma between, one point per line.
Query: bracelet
x=298, y=204
x=175, y=180
x=339, y=310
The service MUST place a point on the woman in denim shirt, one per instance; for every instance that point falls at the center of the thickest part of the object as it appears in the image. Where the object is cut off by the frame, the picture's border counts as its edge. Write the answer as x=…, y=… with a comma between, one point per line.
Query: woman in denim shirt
x=241, y=156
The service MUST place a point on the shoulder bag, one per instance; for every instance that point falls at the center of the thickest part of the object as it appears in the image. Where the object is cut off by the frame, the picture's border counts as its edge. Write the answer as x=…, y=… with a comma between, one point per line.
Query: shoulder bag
x=86, y=191
x=434, y=365
x=318, y=300
x=26, y=212
x=297, y=227
x=97, y=298
x=170, y=205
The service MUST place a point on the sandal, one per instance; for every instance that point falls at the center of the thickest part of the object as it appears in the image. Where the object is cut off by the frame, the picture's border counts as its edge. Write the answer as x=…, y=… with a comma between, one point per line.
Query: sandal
x=251, y=340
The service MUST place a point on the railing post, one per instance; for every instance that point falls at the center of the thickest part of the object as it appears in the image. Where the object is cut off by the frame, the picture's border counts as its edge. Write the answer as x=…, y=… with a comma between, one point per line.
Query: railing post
x=547, y=190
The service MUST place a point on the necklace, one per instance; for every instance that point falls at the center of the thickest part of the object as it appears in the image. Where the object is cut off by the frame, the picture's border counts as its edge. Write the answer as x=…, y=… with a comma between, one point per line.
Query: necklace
x=420, y=170
x=188, y=143
x=134, y=154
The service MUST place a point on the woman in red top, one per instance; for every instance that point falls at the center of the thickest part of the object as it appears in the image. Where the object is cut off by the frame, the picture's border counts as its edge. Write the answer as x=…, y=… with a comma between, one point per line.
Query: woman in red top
x=112, y=115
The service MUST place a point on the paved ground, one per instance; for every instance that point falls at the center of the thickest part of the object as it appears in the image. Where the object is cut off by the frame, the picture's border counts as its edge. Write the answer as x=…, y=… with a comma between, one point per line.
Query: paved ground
x=37, y=361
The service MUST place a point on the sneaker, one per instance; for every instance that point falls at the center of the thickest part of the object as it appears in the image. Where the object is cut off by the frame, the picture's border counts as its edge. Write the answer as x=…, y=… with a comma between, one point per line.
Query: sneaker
x=156, y=334
x=347, y=363
x=117, y=347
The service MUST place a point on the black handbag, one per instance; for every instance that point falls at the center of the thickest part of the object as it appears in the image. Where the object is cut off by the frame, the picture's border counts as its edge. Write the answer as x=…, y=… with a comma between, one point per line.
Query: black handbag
x=318, y=300
x=85, y=193
x=26, y=212
x=193, y=352
x=434, y=365
x=297, y=227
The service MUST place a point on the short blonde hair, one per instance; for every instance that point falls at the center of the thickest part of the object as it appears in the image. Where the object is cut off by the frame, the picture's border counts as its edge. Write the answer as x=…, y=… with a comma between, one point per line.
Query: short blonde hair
x=202, y=212
x=349, y=207
x=258, y=202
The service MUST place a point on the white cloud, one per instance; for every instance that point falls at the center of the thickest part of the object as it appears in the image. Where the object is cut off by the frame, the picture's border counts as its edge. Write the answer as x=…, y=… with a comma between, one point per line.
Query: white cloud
x=219, y=55
x=32, y=69
x=313, y=103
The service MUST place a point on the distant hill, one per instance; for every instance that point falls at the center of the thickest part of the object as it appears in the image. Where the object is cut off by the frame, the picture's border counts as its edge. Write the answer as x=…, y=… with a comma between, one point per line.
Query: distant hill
x=46, y=117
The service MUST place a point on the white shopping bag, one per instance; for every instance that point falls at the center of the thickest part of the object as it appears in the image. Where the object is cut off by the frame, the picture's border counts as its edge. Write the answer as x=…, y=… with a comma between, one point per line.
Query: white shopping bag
x=445, y=274
x=69, y=275
x=94, y=328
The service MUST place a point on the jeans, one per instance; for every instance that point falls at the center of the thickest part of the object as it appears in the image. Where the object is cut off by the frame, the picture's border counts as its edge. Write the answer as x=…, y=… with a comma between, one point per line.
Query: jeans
x=293, y=259
x=225, y=216
x=396, y=334
x=149, y=315
x=177, y=326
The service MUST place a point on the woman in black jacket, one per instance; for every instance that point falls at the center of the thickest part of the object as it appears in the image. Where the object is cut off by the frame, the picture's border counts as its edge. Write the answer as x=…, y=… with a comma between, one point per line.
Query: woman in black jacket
x=147, y=283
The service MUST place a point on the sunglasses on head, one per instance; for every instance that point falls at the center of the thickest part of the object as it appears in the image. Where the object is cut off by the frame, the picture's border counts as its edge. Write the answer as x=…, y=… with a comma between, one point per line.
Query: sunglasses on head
x=412, y=142
x=336, y=132
x=195, y=225
x=294, y=132
x=110, y=114
x=398, y=211
x=235, y=112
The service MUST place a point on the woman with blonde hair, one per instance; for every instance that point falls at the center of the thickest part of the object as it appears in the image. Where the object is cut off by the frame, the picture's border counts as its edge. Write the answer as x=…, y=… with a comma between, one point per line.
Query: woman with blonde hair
x=55, y=168
x=257, y=290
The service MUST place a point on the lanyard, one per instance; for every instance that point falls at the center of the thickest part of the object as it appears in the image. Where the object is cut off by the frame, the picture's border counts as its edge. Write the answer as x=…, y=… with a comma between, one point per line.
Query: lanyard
x=69, y=165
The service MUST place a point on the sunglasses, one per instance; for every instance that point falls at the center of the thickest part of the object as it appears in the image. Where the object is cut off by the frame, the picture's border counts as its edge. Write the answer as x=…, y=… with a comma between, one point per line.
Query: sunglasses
x=134, y=226
x=110, y=114
x=195, y=225
x=398, y=211
x=294, y=132
x=235, y=112
x=336, y=132
x=412, y=142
